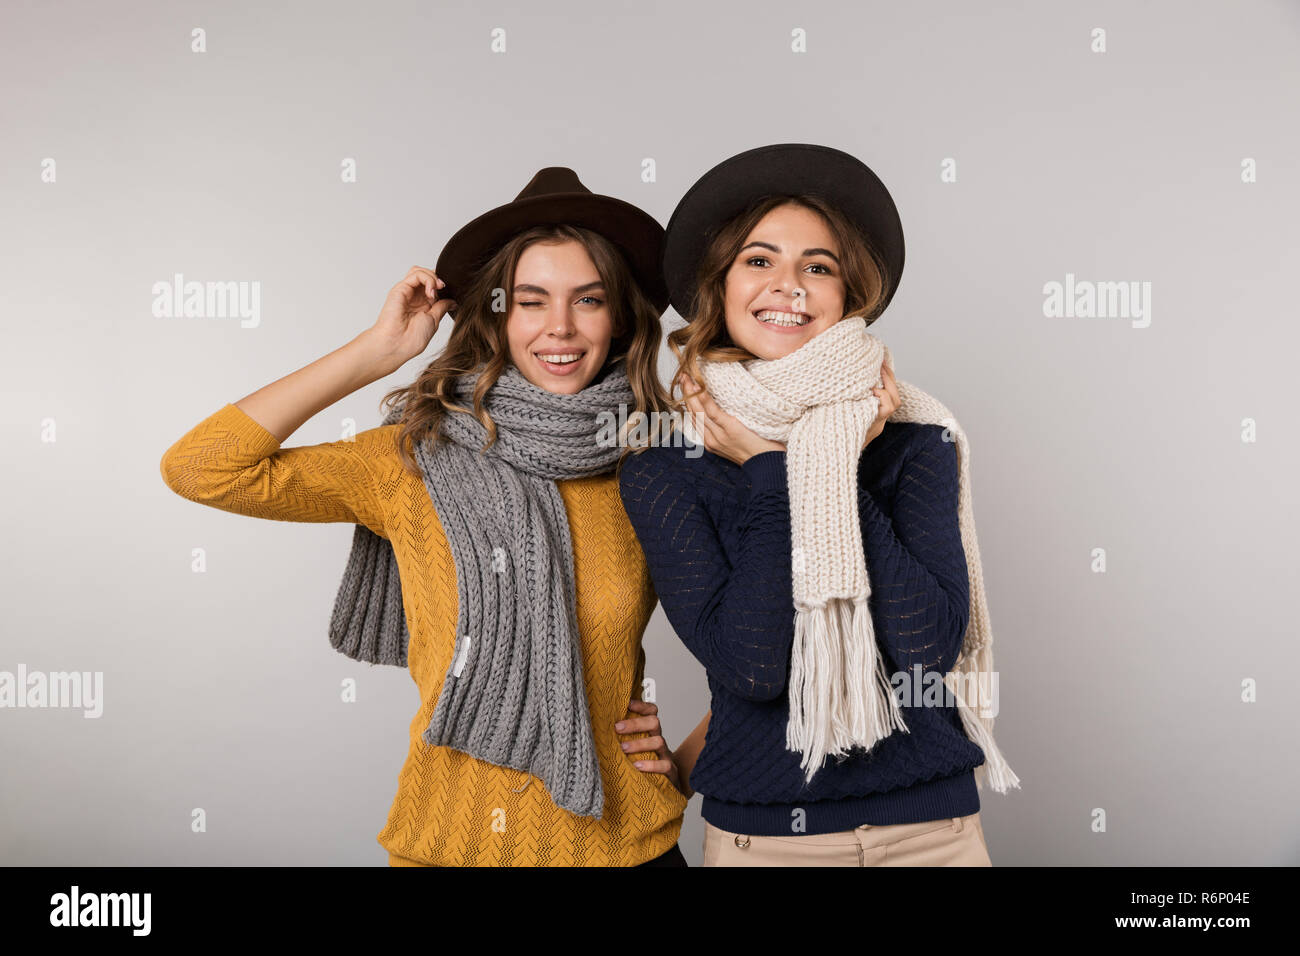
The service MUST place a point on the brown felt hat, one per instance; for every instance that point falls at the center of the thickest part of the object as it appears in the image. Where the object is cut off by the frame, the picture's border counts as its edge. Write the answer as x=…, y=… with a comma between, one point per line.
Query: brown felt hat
x=555, y=196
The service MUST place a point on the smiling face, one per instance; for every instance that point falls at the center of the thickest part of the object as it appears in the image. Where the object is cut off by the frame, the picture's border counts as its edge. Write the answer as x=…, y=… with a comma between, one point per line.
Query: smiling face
x=560, y=325
x=791, y=248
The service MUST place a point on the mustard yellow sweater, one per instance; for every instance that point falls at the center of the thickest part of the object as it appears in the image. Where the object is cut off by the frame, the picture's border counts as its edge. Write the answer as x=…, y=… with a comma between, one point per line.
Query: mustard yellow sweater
x=452, y=809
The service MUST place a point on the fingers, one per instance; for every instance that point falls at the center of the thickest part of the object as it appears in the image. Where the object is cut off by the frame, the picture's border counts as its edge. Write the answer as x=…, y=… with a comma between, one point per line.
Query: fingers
x=692, y=401
x=654, y=766
x=711, y=408
x=708, y=429
x=648, y=724
x=687, y=382
x=891, y=385
x=441, y=307
x=699, y=418
x=644, y=745
x=635, y=725
x=887, y=392
x=420, y=276
x=711, y=420
x=425, y=272
x=651, y=745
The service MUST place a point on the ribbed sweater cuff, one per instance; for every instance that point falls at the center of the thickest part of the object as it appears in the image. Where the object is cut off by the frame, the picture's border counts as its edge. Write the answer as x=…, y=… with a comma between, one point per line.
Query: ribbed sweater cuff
x=766, y=470
x=248, y=430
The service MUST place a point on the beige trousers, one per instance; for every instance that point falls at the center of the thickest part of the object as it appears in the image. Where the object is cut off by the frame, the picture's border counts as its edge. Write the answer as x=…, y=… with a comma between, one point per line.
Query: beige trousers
x=953, y=841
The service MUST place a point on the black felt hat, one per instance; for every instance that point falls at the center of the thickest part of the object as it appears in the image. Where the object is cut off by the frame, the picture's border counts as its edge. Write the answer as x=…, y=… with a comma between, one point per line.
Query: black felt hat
x=555, y=196
x=730, y=187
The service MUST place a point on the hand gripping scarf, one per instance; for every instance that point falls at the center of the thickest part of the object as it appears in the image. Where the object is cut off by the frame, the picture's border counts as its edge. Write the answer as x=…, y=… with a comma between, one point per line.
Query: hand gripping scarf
x=513, y=694
x=819, y=401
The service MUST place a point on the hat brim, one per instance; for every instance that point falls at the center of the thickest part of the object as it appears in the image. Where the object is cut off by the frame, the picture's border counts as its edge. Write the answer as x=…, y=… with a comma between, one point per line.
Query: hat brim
x=730, y=187
x=636, y=234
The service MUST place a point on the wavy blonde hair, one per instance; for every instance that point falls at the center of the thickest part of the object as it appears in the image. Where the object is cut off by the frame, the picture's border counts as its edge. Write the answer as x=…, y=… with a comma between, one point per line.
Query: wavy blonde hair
x=478, y=341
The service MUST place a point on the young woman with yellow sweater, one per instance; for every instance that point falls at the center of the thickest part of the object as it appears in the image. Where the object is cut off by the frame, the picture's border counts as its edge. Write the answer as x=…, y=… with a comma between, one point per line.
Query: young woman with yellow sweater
x=489, y=523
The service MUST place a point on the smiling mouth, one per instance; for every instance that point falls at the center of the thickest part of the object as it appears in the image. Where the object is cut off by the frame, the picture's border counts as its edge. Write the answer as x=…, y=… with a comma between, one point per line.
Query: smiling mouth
x=559, y=359
x=785, y=319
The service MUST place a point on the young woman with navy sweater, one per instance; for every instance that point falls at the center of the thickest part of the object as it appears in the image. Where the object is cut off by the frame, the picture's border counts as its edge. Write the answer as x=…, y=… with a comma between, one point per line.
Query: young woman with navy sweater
x=769, y=250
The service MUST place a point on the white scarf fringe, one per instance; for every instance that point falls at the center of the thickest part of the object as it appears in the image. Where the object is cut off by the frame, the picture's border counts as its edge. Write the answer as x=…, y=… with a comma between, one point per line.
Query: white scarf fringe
x=856, y=711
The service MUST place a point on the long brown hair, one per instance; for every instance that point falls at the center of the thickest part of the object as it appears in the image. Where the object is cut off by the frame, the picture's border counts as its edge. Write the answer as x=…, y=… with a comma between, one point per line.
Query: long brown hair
x=478, y=340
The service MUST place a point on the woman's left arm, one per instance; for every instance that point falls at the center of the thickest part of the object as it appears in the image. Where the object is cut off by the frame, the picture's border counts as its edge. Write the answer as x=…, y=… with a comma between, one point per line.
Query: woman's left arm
x=917, y=565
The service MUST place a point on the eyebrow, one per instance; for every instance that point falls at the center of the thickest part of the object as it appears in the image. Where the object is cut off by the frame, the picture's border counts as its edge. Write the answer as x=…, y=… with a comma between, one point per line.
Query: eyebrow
x=538, y=290
x=807, y=252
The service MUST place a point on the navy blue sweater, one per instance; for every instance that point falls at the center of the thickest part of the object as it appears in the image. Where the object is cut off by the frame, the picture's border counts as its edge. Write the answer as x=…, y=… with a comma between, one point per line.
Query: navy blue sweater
x=716, y=536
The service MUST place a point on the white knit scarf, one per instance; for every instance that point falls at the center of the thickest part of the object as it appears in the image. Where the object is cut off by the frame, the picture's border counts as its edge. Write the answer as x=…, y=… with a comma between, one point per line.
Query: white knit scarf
x=819, y=401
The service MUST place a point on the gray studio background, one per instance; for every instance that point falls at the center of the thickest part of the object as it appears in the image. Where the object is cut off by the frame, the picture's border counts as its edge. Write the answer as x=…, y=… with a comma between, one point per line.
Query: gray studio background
x=1119, y=690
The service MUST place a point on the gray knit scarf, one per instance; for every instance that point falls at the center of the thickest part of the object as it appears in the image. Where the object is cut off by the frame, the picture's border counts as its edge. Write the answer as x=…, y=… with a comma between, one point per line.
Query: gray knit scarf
x=513, y=695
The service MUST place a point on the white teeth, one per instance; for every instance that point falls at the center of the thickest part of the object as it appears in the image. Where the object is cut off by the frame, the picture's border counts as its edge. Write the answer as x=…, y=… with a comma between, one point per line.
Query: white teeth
x=773, y=317
x=561, y=359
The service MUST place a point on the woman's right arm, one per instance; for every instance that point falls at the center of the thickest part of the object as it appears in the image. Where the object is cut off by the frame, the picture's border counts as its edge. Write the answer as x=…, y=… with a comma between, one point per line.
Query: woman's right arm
x=233, y=461
x=283, y=406
x=404, y=329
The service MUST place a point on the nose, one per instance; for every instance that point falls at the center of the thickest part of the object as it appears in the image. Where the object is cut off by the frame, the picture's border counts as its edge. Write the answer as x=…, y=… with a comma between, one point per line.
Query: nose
x=784, y=279
x=561, y=322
